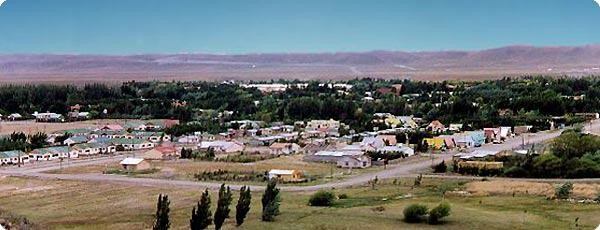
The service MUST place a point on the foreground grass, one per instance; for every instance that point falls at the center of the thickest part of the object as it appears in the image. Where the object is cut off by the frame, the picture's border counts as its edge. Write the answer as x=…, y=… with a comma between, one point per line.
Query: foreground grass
x=79, y=205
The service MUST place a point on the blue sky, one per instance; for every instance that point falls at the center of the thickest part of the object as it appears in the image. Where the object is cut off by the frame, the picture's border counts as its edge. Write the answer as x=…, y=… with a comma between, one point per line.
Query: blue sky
x=258, y=26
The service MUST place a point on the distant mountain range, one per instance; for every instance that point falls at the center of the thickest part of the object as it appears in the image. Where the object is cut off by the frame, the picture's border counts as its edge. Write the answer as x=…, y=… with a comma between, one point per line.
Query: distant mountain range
x=512, y=60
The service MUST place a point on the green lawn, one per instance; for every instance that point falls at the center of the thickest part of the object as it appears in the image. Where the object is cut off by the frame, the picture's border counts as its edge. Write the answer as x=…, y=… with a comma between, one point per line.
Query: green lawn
x=79, y=205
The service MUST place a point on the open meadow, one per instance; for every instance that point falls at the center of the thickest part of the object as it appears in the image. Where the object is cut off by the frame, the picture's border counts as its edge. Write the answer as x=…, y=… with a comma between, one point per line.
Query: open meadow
x=30, y=126
x=183, y=169
x=58, y=204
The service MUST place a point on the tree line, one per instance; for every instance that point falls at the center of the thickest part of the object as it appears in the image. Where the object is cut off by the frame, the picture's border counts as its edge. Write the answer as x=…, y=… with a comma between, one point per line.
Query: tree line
x=202, y=217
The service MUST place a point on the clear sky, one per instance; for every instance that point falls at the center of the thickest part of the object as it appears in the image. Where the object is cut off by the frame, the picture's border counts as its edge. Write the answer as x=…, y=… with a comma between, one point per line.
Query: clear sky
x=258, y=26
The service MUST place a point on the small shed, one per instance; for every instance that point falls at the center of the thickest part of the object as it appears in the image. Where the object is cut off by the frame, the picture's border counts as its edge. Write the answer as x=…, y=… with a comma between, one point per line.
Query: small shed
x=134, y=164
x=286, y=175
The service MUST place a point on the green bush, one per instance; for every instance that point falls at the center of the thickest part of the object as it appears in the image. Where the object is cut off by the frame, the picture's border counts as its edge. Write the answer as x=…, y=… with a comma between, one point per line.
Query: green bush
x=564, y=191
x=414, y=213
x=343, y=196
x=322, y=198
x=439, y=212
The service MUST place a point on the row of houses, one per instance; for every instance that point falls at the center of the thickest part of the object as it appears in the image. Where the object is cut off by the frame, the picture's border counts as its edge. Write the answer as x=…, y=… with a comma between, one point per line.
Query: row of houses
x=471, y=139
x=354, y=155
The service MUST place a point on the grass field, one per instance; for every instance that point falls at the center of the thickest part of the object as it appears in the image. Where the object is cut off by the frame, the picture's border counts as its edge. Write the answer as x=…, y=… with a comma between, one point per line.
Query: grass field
x=30, y=126
x=185, y=169
x=81, y=205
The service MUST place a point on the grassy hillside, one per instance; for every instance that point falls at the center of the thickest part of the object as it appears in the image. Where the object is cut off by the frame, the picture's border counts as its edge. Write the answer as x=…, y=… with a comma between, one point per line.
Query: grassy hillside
x=80, y=205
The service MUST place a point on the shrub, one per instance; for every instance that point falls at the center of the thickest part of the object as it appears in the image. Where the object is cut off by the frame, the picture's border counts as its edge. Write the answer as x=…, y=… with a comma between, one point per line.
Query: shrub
x=439, y=212
x=322, y=198
x=440, y=168
x=345, y=196
x=564, y=191
x=414, y=213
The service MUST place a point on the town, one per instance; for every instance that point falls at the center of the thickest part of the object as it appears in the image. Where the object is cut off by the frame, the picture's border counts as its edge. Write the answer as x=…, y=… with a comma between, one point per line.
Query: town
x=320, y=148
x=299, y=115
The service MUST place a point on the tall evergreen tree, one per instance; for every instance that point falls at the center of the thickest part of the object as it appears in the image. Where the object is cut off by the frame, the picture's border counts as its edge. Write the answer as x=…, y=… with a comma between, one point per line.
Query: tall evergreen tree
x=223, y=203
x=201, y=214
x=162, y=213
x=243, y=205
x=270, y=201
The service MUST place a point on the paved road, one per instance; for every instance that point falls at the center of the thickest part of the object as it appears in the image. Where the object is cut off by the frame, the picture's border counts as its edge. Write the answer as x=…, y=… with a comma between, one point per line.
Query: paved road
x=403, y=169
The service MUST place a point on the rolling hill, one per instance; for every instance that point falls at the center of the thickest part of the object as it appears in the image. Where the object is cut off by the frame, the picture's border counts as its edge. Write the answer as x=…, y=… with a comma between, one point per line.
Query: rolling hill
x=473, y=65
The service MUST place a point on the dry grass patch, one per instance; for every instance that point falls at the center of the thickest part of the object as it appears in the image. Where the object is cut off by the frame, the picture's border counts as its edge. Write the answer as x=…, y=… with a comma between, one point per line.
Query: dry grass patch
x=30, y=126
x=485, y=188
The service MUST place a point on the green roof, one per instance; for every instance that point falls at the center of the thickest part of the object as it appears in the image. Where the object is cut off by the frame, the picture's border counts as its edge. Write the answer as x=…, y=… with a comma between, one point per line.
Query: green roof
x=122, y=141
x=90, y=145
x=11, y=154
x=56, y=149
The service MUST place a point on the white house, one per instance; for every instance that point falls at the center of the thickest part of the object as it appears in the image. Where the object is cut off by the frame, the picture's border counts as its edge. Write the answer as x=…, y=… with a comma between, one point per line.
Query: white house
x=13, y=157
x=127, y=144
x=14, y=117
x=48, y=117
x=222, y=146
x=50, y=153
x=354, y=162
x=371, y=143
x=87, y=149
x=189, y=139
x=284, y=148
x=286, y=175
x=134, y=164
x=75, y=140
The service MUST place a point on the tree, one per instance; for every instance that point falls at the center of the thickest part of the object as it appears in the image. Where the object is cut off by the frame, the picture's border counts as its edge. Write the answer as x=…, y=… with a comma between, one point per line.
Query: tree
x=38, y=140
x=223, y=203
x=322, y=198
x=270, y=201
x=243, y=205
x=201, y=215
x=162, y=213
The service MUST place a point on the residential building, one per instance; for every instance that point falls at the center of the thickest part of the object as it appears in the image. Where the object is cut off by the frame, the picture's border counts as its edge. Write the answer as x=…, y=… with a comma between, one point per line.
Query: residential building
x=222, y=146
x=161, y=153
x=286, y=175
x=48, y=117
x=436, y=126
x=126, y=143
x=76, y=140
x=455, y=127
x=284, y=148
x=88, y=149
x=354, y=162
x=134, y=164
x=50, y=153
x=13, y=157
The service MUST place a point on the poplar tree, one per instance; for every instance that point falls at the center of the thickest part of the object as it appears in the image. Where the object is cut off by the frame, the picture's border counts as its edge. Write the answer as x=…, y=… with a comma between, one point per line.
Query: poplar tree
x=201, y=214
x=223, y=203
x=243, y=205
x=162, y=213
x=270, y=201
